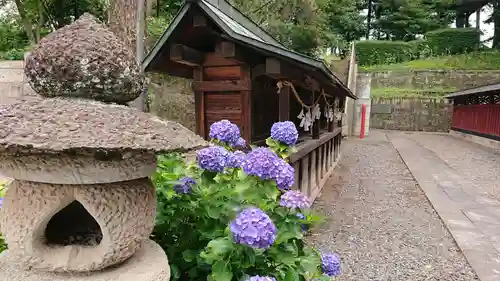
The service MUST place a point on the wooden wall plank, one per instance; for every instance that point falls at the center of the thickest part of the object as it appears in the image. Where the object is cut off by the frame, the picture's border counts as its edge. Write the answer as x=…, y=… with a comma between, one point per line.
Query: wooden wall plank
x=222, y=72
x=222, y=86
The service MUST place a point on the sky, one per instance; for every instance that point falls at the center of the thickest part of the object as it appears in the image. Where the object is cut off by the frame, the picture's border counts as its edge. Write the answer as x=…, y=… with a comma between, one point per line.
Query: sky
x=487, y=29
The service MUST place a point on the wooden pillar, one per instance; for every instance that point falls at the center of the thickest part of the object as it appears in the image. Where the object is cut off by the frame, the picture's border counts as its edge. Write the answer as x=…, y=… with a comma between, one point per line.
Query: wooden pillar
x=284, y=104
x=315, y=129
x=304, y=181
x=246, y=105
x=199, y=102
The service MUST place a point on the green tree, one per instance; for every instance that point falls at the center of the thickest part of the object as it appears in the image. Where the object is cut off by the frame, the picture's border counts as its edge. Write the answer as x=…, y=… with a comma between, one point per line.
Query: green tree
x=406, y=19
x=298, y=24
x=344, y=19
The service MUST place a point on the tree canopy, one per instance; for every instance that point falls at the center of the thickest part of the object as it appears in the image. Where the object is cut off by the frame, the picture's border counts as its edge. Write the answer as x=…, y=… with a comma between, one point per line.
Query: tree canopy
x=307, y=26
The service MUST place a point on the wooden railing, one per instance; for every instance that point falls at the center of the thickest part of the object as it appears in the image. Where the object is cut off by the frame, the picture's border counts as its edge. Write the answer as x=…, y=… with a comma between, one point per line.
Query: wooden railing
x=483, y=119
x=315, y=161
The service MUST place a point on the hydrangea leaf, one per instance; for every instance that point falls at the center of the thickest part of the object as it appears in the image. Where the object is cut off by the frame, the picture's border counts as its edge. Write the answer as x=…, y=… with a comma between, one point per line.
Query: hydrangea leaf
x=221, y=271
x=292, y=275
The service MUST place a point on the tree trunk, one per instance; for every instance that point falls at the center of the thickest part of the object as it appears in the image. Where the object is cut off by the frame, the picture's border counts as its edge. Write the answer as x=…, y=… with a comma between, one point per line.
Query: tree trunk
x=125, y=16
x=123, y=21
x=28, y=26
x=460, y=20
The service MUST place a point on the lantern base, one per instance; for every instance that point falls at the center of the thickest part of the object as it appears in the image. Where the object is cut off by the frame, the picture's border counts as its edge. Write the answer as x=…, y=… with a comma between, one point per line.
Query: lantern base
x=148, y=264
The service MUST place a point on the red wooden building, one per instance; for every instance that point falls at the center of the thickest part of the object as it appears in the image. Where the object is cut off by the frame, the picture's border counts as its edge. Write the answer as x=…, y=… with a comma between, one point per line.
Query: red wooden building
x=242, y=74
x=476, y=112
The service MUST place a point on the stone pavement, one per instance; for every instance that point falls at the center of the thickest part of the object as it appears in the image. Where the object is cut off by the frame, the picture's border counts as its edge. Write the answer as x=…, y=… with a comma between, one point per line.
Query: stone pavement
x=462, y=182
x=380, y=222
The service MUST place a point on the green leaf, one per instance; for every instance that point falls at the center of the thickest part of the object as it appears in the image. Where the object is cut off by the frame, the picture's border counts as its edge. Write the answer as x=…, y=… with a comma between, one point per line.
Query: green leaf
x=221, y=271
x=241, y=187
x=213, y=211
x=292, y=275
x=270, y=142
x=189, y=255
x=174, y=272
x=217, y=249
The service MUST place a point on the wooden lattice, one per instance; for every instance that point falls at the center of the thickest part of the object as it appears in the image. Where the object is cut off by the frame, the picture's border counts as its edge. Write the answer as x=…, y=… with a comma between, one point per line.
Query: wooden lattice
x=496, y=98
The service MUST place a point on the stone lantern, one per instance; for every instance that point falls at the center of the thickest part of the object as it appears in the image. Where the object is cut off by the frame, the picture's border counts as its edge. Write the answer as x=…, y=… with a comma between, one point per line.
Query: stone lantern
x=81, y=206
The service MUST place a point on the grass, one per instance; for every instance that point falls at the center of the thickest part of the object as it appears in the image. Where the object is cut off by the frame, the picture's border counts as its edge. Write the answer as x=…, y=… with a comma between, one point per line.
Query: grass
x=410, y=92
x=486, y=60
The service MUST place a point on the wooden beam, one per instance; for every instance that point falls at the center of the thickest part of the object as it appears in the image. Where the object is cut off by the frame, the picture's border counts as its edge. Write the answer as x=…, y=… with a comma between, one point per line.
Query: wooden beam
x=199, y=21
x=221, y=86
x=284, y=104
x=230, y=50
x=273, y=66
x=307, y=146
x=280, y=70
x=185, y=55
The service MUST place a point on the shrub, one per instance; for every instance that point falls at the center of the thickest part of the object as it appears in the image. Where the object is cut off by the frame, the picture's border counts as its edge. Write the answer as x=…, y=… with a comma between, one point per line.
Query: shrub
x=13, y=54
x=374, y=52
x=12, y=35
x=453, y=40
x=231, y=215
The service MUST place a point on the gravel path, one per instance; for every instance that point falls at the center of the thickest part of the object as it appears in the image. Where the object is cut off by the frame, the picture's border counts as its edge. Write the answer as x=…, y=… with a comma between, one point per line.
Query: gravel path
x=479, y=166
x=380, y=221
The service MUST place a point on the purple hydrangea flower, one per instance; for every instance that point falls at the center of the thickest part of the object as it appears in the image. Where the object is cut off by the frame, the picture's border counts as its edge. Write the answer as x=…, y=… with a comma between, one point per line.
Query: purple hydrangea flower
x=261, y=278
x=294, y=199
x=285, y=176
x=252, y=227
x=330, y=264
x=285, y=132
x=262, y=162
x=185, y=185
x=225, y=131
x=235, y=159
x=1, y=202
x=213, y=158
x=241, y=142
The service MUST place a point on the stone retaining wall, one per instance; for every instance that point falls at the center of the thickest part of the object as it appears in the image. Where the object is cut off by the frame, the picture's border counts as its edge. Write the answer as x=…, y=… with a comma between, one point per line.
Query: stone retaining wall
x=410, y=114
x=429, y=79
x=13, y=82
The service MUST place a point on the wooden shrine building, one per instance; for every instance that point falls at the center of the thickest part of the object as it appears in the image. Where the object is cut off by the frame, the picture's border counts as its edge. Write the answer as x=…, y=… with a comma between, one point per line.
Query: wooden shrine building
x=242, y=74
x=476, y=114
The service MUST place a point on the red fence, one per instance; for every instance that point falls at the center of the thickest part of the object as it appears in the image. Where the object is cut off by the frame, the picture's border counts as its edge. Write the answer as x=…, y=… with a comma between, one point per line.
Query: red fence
x=478, y=118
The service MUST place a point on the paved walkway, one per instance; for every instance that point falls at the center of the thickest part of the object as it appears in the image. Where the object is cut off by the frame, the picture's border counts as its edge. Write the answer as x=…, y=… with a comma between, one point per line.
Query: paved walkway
x=462, y=181
x=380, y=221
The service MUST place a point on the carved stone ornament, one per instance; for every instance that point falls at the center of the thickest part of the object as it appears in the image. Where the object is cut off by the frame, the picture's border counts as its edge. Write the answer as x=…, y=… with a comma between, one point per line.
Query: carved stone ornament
x=81, y=206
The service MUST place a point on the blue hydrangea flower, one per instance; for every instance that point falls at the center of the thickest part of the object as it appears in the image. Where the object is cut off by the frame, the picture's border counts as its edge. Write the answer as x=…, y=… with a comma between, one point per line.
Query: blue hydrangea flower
x=285, y=132
x=294, y=199
x=261, y=278
x=225, y=131
x=1, y=202
x=213, y=158
x=240, y=142
x=263, y=163
x=254, y=228
x=330, y=264
x=304, y=227
x=185, y=185
x=285, y=175
x=235, y=159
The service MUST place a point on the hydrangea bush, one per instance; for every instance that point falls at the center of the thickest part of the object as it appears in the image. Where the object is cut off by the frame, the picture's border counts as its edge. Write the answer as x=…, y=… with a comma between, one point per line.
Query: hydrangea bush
x=232, y=216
